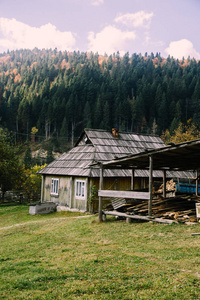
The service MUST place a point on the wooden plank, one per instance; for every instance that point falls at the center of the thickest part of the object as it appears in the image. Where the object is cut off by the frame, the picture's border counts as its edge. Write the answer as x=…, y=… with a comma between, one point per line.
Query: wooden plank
x=137, y=217
x=124, y=194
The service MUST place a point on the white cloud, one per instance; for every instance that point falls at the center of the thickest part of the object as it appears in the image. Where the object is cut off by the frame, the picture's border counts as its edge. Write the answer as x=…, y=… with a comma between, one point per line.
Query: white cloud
x=182, y=48
x=110, y=40
x=139, y=19
x=97, y=2
x=17, y=35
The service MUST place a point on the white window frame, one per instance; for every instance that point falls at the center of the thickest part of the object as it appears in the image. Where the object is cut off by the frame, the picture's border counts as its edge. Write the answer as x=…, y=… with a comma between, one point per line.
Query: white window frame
x=54, y=186
x=80, y=189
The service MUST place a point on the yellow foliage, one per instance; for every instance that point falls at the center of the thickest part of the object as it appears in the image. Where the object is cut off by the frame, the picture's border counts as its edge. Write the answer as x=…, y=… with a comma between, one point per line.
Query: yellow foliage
x=32, y=183
x=34, y=130
x=166, y=136
x=183, y=133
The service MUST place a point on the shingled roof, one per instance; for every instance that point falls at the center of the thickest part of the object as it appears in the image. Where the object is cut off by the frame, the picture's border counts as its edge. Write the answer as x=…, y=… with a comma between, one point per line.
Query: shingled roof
x=100, y=146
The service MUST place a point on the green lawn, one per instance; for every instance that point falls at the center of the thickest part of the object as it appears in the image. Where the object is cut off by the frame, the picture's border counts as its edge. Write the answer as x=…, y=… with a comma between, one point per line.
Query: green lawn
x=67, y=256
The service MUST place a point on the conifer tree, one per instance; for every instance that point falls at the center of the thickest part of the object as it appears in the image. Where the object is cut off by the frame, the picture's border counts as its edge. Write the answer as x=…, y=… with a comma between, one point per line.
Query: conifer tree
x=28, y=158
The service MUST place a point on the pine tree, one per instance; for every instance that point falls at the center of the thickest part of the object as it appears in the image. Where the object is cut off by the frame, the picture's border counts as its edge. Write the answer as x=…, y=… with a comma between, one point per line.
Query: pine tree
x=106, y=116
x=50, y=156
x=28, y=158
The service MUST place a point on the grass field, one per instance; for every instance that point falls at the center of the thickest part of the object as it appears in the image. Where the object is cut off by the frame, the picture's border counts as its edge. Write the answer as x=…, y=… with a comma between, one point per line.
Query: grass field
x=67, y=256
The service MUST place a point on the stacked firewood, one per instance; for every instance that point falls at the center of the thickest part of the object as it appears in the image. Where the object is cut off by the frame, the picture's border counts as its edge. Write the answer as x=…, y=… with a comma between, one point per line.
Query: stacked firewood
x=180, y=208
x=170, y=186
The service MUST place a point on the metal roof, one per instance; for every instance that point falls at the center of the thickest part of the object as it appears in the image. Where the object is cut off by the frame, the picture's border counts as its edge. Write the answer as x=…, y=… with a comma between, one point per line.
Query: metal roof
x=95, y=146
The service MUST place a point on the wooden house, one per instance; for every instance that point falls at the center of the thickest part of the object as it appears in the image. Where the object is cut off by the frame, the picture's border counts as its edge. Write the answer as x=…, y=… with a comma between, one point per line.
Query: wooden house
x=72, y=180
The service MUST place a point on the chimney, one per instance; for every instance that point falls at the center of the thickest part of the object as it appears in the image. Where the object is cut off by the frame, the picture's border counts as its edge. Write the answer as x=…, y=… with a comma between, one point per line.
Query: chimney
x=115, y=132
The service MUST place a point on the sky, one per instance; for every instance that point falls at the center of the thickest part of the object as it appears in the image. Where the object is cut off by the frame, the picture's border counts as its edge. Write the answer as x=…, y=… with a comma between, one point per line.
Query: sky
x=169, y=27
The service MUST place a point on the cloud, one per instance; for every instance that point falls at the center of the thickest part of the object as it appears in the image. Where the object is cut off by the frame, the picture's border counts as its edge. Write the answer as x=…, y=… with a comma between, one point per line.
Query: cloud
x=110, y=40
x=97, y=2
x=17, y=35
x=182, y=48
x=139, y=19
x=120, y=35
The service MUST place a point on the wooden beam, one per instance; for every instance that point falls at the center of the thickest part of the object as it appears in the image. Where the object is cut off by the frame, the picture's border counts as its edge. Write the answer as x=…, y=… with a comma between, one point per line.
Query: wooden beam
x=124, y=194
x=100, y=197
x=150, y=185
x=197, y=181
x=137, y=217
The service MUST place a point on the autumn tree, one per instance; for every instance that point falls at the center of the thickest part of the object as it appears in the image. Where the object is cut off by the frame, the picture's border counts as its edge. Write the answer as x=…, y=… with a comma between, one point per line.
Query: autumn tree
x=34, y=131
x=182, y=133
x=32, y=183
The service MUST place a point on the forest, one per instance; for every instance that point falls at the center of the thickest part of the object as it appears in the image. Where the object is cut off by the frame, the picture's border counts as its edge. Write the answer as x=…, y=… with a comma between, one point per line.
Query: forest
x=48, y=97
x=48, y=94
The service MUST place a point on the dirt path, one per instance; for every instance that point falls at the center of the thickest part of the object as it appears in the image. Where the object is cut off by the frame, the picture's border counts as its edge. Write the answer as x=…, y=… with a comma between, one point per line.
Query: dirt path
x=42, y=221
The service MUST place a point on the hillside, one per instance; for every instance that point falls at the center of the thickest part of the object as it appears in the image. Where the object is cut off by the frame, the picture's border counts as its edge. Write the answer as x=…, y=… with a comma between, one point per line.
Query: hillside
x=60, y=93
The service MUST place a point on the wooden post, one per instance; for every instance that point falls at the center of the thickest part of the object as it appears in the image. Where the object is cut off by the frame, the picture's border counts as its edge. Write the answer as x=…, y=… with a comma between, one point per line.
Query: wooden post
x=86, y=200
x=164, y=183
x=150, y=185
x=104, y=217
x=197, y=181
x=128, y=220
x=90, y=197
x=100, y=187
x=132, y=179
x=70, y=192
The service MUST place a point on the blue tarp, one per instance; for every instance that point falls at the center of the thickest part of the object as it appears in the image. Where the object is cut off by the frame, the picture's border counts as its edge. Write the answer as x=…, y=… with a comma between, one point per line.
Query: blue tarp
x=186, y=188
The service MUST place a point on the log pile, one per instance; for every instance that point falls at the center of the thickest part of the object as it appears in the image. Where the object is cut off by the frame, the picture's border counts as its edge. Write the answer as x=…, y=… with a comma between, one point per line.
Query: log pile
x=180, y=208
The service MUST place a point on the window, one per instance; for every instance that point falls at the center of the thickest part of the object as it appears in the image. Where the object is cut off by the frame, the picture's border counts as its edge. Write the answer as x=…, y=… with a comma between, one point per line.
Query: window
x=54, y=186
x=80, y=188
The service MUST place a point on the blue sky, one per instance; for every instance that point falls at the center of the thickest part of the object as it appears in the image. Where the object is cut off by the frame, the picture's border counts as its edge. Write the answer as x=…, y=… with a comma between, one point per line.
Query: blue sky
x=170, y=27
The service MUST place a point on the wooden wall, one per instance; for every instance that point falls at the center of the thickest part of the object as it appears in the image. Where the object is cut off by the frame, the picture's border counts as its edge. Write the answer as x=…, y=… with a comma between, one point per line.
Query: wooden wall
x=67, y=196
x=121, y=184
